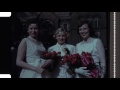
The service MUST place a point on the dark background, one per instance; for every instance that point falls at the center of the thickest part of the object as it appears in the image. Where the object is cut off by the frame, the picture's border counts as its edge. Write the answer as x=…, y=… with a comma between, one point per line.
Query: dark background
x=13, y=29
x=5, y=43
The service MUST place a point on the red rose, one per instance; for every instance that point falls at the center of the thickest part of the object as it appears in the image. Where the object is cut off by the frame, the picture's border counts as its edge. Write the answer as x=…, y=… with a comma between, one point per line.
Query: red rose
x=54, y=53
x=83, y=54
x=73, y=61
x=58, y=52
x=88, y=55
x=53, y=56
x=47, y=55
x=94, y=73
x=74, y=56
x=70, y=57
x=77, y=55
x=84, y=61
x=64, y=60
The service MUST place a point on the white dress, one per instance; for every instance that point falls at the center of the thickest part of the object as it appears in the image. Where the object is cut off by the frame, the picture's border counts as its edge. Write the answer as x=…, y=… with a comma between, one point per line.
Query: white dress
x=95, y=47
x=33, y=58
x=61, y=71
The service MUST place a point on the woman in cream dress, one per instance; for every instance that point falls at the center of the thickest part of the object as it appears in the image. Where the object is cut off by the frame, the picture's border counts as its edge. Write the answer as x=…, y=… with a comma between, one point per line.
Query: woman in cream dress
x=93, y=46
x=31, y=49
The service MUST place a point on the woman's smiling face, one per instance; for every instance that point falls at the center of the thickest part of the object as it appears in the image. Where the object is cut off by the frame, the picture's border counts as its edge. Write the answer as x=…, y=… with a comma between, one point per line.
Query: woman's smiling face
x=61, y=37
x=84, y=31
x=33, y=30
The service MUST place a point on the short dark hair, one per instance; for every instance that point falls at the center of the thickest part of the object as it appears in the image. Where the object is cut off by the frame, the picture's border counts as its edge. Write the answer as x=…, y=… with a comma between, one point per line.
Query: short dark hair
x=33, y=21
x=91, y=31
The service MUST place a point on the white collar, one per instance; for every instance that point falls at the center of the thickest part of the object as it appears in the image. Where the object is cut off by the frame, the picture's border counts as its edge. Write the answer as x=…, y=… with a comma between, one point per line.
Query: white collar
x=63, y=45
x=87, y=39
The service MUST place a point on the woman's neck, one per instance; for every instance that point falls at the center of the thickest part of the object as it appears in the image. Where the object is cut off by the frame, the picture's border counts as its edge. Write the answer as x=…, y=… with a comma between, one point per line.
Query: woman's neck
x=33, y=39
x=61, y=44
x=85, y=39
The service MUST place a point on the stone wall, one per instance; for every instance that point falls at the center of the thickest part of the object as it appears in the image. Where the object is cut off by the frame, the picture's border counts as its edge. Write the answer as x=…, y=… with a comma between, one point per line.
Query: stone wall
x=70, y=20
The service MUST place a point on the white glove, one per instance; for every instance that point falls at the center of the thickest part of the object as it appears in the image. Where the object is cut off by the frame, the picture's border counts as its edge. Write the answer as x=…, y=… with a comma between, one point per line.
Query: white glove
x=82, y=71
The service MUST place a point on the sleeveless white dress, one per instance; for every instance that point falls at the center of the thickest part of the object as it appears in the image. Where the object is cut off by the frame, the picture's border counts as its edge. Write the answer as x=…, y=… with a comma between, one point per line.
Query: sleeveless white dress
x=33, y=58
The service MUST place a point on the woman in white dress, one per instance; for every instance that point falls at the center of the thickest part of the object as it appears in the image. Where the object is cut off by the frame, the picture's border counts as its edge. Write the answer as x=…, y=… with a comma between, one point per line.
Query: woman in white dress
x=93, y=46
x=31, y=49
x=61, y=36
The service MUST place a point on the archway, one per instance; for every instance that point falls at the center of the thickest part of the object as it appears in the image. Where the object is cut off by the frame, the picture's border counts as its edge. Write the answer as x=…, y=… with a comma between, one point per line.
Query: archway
x=47, y=30
x=49, y=22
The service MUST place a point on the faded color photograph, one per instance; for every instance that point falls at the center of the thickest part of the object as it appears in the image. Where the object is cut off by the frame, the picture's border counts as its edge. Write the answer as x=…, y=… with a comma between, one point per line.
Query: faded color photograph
x=60, y=44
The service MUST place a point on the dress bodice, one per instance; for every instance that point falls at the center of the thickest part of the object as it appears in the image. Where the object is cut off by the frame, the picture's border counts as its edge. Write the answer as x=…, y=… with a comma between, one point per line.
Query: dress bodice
x=33, y=57
x=88, y=46
x=33, y=50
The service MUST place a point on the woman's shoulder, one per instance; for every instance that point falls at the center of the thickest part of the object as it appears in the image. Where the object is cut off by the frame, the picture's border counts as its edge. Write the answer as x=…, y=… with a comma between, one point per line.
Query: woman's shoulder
x=78, y=43
x=24, y=40
x=96, y=39
x=22, y=43
x=52, y=46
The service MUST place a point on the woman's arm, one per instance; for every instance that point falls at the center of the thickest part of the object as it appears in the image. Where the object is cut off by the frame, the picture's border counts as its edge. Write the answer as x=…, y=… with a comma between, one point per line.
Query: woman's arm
x=21, y=54
x=101, y=53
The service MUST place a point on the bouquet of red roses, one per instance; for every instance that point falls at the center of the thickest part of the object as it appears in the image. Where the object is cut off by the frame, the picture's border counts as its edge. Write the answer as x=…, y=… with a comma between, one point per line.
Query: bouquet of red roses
x=51, y=55
x=84, y=60
x=55, y=56
x=87, y=61
x=73, y=61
